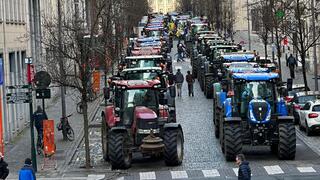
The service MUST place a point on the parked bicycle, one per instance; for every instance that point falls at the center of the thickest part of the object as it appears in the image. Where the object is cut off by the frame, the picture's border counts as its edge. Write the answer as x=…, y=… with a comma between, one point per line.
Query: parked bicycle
x=66, y=128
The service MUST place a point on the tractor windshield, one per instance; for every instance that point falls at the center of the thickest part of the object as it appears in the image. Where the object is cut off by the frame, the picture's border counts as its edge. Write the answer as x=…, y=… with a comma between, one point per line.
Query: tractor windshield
x=137, y=97
x=141, y=76
x=245, y=92
x=144, y=63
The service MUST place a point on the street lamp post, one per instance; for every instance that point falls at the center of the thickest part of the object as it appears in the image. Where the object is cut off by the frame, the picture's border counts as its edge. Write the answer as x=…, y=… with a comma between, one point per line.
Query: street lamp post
x=315, y=63
x=248, y=15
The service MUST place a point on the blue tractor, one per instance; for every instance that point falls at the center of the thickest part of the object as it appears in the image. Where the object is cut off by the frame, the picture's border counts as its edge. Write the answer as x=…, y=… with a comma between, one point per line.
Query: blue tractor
x=248, y=110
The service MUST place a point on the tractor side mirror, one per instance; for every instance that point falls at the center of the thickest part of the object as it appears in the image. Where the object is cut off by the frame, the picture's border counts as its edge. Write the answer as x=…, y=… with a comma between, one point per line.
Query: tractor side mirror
x=172, y=90
x=106, y=93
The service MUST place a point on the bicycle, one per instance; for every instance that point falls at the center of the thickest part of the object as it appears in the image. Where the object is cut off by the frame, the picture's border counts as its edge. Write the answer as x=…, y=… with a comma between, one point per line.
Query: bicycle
x=67, y=130
x=80, y=107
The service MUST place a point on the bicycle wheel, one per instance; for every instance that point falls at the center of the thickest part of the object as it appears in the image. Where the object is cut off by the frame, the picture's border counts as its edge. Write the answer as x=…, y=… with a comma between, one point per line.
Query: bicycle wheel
x=70, y=134
x=79, y=108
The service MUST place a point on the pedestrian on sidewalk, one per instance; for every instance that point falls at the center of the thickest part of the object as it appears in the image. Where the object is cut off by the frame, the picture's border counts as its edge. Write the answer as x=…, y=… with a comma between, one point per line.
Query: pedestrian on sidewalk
x=190, y=81
x=244, y=172
x=292, y=63
x=4, y=171
x=179, y=81
x=38, y=116
x=27, y=171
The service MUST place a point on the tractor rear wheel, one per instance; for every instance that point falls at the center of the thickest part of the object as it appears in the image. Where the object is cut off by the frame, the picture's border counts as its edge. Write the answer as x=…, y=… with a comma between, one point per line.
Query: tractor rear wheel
x=287, y=141
x=104, y=138
x=209, y=87
x=232, y=141
x=173, y=147
x=119, y=151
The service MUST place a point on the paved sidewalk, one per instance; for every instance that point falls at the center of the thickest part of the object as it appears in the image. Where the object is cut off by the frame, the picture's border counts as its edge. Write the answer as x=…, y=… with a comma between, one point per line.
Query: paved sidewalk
x=19, y=149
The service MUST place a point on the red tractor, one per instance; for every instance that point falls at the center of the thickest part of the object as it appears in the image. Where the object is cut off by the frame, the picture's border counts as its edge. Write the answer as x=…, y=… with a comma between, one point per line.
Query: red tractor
x=137, y=120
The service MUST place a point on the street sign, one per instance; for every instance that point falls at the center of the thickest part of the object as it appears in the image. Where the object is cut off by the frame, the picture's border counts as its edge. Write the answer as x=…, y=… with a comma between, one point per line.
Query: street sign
x=42, y=79
x=19, y=97
x=43, y=93
x=28, y=60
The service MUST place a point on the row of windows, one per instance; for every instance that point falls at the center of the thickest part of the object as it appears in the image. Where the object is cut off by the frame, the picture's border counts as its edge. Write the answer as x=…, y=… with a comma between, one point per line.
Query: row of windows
x=13, y=11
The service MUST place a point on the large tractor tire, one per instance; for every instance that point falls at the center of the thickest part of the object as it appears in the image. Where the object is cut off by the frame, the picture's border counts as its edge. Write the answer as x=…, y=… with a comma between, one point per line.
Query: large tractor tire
x=209, y=87
x=173, y=147
x=221, y=132
x=287, y=141
x=119, y=152
x=104, y=138
x=232, y=141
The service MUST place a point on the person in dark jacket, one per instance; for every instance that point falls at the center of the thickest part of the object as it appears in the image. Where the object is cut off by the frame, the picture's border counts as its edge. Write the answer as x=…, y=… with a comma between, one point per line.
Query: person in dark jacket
x=179, y=80
x=4, y=171
x=190, y=81
x=244, y=172
x=292, y=63
x=38, y=116
x=27, y=172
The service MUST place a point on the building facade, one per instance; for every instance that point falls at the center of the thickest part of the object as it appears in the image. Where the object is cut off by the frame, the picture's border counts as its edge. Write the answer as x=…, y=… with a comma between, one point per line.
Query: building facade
x=163, y=6
x=14, y=47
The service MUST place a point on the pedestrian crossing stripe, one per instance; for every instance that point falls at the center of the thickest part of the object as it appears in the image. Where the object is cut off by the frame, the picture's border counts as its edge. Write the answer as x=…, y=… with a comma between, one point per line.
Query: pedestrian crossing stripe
x=273, y=170
x=147, y=175
x=212, y=173
x=179, y=175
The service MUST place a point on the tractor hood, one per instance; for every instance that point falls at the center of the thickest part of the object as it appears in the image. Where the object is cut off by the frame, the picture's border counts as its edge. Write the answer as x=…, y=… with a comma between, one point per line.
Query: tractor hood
x=142, y=112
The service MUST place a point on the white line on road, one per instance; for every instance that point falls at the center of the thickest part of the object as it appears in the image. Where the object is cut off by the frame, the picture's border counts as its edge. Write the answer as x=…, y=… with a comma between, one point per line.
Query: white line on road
x=210, y=173
x=96, y=176
x=147, y=175
x=120, y=178
x=306, y=169
x=273, y=169
x=235, y=170
x=179, y=175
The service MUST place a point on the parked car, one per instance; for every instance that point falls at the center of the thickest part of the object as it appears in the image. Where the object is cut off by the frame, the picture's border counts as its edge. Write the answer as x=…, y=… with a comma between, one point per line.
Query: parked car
x=310, y=117
x=267, y=63
x=295, y=89
x=299, y=100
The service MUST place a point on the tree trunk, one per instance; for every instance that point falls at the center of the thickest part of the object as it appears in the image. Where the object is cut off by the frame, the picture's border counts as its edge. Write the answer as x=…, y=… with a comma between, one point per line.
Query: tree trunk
x=86, y=130
x=303, y=62
x=266, y=49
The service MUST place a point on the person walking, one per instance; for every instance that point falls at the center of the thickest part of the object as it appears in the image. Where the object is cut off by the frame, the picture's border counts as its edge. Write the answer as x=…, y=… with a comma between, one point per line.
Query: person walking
x=190, y=81
x=27, y=171
x=292, y=63
x=38, y=116
x=179, y=81
x=4, y=171
x=244, y=172
x=180, y=53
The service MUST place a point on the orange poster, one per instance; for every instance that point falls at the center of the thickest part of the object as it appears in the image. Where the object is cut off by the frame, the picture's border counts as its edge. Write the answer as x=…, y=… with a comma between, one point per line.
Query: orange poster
x=49, y=146
x=96, y=81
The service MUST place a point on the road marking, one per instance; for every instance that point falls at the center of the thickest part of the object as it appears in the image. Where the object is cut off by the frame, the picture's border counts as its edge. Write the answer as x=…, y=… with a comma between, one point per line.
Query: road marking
x=147, y=175
x=96, y=176
x=273, y=169
x=235, y=170
x=210, y=173
x=306, y=169
x=179, y=175
x=120, y=178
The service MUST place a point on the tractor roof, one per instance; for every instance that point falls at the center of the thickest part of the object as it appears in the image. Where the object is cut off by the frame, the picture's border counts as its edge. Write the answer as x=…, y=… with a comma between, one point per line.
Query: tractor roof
x=145, y=57
x=255, y=76
x=248, y=70
x=143, y=69
x=238, y=57
x=137, y=84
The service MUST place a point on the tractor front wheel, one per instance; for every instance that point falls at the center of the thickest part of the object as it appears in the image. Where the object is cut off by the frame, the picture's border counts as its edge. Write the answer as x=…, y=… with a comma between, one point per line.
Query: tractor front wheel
x=173, y=144
x=232, y=141
x=119, y=150
x=287, y=141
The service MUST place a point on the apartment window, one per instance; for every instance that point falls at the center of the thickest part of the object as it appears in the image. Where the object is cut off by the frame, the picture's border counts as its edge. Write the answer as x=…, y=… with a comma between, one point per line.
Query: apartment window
x=12, y=62
x=1, y=11
x=11, y=5
x=23, y=56
x=23, y=10
x=19, y=10
x=7, y=7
